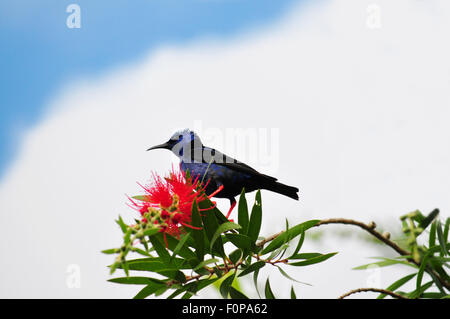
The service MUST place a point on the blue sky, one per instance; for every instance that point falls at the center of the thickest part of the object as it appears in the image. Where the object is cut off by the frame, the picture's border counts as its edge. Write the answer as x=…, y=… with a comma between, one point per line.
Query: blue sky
x=39, y=54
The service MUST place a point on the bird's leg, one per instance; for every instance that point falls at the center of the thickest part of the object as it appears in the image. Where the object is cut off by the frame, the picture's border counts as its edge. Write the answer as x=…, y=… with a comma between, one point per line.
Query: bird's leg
x=233, y=203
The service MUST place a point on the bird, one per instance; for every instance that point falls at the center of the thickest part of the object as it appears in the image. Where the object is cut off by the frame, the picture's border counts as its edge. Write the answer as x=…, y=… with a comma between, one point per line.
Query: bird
x=224, y=176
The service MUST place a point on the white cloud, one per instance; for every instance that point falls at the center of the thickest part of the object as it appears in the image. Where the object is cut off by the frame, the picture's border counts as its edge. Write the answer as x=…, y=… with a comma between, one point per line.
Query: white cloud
x=363, y=119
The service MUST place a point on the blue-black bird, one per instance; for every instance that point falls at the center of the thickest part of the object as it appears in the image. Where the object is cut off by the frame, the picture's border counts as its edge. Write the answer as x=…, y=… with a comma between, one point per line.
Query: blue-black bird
x=227, y=176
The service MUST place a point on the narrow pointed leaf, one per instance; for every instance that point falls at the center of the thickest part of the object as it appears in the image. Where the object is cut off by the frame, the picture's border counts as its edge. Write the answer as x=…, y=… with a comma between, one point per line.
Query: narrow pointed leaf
x=225, y=286
x=440, y=235
x=221, y=229
x=240, y=241
x=148, y=290
x=386, y=262
x=290, y=234
x=122, y=225
x=236, y=294
x=253, y=267
x=422, y=267
x=180, y=245
x=289, y=277
x=160, y=249
x=299, y=244
x=268, y=291
x=313, y=260
x=397, y=284
x=305, y=256
x=427, y=220
x=206, y=262
x=132, y=280
x=236, y=255
x=293, y=296
x=255, y=219
x=243, y=217
x=432, y=238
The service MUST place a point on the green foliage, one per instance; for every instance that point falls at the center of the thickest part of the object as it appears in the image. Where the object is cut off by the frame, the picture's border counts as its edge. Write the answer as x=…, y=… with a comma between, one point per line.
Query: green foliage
x=427, y=260
x=214, y=249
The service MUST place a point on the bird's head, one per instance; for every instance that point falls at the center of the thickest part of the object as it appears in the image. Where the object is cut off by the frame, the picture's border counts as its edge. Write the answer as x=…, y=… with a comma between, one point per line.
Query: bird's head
x=181, y=143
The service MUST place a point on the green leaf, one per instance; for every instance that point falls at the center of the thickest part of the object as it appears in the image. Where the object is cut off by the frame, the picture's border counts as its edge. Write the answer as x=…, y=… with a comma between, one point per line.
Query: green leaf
x=122, y=225
x=293, y=296
x=299, y=244
x=126, y=269
x=427, y=220
x=305, y=256
x=243, y=217
x=236, y=255
x=180, y=245
x=132, y=280
x=289, y=277
x=240, y=241
x=397, y=284
x=155, y=264
x=221, y=229
x=210, y=222
x=289, y=235
x=182, y=250
x=126, y=237
x=432, y=238
x=422, y=267
x=236, y=294
x=268, y=291
x=110, y=251
x=197, y=234
x=226, y=284
x=253, y=267
x=255, y=219
x=140, y=251
x=441, y=239
x=386, y=262
x=193, y=287
x=255, y=281
x=160, y=249
x=148, y=290
x=206, y=262
x=313, y=260
x=142, y=198
x=151, y=232
x=418, y=292
x=446, y=229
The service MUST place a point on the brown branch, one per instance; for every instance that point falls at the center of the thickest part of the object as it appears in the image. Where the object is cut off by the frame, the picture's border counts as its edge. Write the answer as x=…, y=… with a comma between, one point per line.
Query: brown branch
x=383, y=291
x=367, y=227
x=270, y=238
x=370, y=228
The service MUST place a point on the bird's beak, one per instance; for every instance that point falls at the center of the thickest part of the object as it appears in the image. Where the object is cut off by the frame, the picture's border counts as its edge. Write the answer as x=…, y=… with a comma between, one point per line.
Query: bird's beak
x=166, y=146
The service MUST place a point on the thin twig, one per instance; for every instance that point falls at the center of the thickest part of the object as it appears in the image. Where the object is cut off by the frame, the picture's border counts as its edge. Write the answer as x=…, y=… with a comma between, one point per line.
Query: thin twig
x=382, y=291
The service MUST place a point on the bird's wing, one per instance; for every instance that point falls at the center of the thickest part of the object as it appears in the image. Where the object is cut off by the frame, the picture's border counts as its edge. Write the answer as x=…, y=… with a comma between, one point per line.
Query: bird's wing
x=218, y=158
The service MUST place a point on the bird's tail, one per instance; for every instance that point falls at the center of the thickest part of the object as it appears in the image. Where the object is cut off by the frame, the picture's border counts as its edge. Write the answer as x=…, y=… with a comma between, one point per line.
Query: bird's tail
x=283, y=189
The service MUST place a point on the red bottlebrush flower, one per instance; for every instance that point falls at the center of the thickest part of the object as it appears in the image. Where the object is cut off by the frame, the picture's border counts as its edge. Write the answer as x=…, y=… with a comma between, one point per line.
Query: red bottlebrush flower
x=159, y=194
x=169, y=201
